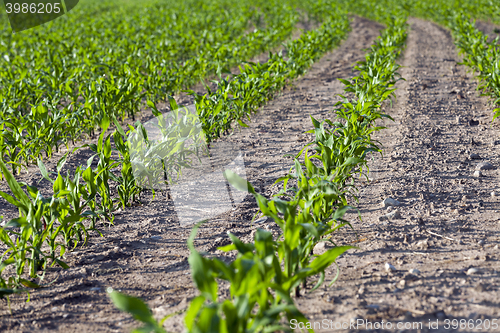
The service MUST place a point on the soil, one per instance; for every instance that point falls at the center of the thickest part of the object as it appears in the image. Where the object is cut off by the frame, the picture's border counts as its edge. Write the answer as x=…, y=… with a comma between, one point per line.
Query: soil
x=449, y=219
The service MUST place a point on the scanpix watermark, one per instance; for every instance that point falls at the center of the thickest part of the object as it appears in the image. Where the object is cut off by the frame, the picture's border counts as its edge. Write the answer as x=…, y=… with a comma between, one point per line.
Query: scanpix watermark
x=27, y=14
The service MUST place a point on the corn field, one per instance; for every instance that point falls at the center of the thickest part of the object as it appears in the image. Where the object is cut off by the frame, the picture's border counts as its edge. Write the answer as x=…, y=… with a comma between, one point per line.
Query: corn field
x=84, y=83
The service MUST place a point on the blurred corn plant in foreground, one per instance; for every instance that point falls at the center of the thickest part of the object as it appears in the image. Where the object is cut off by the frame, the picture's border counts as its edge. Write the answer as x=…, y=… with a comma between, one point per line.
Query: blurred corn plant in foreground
x=259, y=288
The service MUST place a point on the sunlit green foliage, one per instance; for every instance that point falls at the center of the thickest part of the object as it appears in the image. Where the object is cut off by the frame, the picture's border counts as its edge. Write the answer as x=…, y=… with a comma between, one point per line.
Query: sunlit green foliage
x=61, y=79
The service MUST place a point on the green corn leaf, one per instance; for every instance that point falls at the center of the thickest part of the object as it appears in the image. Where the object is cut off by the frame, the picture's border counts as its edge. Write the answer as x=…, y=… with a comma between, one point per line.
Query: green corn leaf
x=310, y=228
x=339, y=213
x=327, y=258
x=17, y=222
x=239, y=183
x=192, y=312
x=29, y=284
x=23, y=199
x=61, y=162
x=6, y=292
x=136, y=307
x=58, y=185
x=43, y=170
x=242, y=124
x=11, y=199
x=8, y=261
x=104, y=123
x=62, y=264
x=319, y=283
x=119, y=127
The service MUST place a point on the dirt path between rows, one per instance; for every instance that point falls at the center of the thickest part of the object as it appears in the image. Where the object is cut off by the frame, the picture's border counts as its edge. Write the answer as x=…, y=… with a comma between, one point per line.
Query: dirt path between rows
x=145, y=253
x=449, y=228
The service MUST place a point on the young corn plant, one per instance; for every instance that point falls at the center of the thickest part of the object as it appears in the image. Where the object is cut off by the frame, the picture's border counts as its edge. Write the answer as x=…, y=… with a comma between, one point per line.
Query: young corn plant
x=106, y=205
x=24, y=236
x=139, y=310
x=77, y=198
x=127, y=188
x=174, y=140
x=251, y=307
x=305, y=219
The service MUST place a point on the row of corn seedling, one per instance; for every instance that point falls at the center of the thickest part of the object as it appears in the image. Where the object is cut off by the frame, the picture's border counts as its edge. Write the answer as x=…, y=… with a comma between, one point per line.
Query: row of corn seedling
x=236, y=97
x=267, y=272
x=48, y=227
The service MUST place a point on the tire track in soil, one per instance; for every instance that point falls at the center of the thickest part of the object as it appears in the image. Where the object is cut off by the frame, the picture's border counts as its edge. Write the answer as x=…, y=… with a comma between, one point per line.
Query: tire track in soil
x=439, y=122
x=145, y=254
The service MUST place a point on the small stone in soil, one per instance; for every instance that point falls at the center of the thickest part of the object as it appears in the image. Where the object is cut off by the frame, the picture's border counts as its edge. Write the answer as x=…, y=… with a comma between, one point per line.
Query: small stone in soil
x=423, y=244
x=474, y=156
x=479, y=288
x=484, y=166
x=389, y=267
x=472, y=271
x=493, y=194
x=414, y=271
x=320, y=247
x=477, y=174
x=481, y=242
x=261, y=220
x=441, y=315
x=390, y=202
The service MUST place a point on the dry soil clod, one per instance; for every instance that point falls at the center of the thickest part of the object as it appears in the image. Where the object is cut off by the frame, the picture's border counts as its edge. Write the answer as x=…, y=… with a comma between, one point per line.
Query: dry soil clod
x=390, y=216
x=484, y=166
